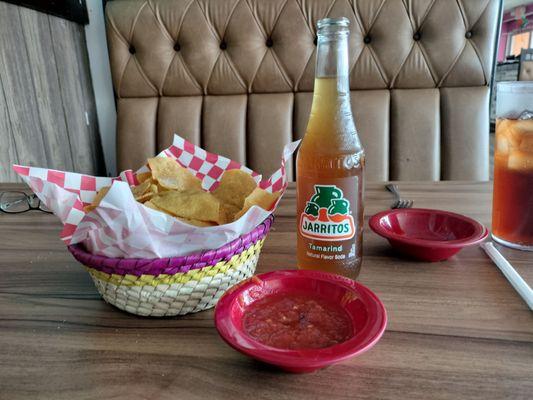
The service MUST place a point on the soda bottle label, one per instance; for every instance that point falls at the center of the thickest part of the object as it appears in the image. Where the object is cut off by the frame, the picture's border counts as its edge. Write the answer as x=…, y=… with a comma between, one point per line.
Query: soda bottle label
x=327, y=219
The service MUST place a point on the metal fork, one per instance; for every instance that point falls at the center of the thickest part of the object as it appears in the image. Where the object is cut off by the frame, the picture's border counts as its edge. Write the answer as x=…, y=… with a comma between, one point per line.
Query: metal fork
x=398, y=201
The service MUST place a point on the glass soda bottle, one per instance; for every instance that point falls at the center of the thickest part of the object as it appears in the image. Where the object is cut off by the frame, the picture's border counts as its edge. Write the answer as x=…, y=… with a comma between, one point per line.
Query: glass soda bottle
x=330, y=164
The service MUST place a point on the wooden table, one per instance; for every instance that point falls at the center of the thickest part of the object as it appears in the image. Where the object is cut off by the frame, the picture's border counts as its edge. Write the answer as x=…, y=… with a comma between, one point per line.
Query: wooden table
x=457, y=329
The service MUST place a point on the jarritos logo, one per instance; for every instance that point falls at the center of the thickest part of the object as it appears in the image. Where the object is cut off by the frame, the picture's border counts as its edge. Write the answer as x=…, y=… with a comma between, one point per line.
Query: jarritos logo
x=327, y=215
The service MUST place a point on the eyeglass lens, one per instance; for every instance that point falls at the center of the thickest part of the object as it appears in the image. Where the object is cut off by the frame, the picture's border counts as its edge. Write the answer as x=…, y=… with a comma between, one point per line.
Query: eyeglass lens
x=18, y=202
x=14, y=202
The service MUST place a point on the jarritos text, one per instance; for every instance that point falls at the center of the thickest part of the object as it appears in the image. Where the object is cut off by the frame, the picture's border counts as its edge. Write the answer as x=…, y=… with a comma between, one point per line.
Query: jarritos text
x=327, y=215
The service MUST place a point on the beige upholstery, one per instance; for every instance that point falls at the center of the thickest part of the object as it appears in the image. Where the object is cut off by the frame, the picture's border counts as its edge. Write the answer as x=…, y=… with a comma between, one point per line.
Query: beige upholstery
x=236, y=76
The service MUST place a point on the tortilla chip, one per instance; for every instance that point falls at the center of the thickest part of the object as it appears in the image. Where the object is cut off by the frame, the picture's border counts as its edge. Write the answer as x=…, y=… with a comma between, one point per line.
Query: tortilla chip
x=197, y=205
x=261, y=198
x=170, y=175
x=235, y=186
x=97, y=199
x=161, y=189
x=140, y=189
x=145, y=197
x=144, y=176
x=194, y=222
x=227, y=213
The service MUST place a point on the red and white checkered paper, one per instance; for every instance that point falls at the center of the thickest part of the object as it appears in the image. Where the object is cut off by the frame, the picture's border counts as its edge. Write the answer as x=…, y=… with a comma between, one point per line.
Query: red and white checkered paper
x=122, y=227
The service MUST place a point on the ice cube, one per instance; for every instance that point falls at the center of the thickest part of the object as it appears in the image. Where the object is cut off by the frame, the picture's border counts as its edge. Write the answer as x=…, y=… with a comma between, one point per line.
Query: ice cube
x=502, y=124
x=506, y=128
x=526, y=114
x=502, y=144
x=520, y=130
x=523, y=126
x=527, y=143
x=520, y=161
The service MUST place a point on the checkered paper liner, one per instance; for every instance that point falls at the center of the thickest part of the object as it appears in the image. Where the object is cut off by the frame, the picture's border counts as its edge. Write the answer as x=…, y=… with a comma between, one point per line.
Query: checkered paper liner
x=124, y=228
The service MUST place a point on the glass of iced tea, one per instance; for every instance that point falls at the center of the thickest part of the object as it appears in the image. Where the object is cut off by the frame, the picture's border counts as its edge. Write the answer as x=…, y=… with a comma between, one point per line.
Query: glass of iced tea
x=512, y=204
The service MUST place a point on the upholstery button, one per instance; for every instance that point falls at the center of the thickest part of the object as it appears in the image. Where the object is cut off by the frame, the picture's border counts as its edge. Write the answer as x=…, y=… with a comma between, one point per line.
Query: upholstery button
x=131, y=50
x=417, y=36
x=367, y=39
x=468, y=34
x=223, y=45
x=177, y=47
x=315, y=40
x=269, y=42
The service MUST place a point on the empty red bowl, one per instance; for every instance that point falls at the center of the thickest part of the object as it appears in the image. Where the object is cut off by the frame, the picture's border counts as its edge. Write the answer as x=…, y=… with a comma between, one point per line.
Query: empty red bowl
x=366, y=312
x=428, y=235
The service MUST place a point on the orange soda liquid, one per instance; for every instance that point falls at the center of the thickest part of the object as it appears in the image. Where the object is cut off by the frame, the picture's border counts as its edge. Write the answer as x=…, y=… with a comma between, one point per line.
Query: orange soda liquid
x=512, y=208
x=329, y=167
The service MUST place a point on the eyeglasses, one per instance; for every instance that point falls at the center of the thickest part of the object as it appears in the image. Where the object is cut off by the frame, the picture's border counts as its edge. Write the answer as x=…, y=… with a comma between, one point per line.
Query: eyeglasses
x=19, y=202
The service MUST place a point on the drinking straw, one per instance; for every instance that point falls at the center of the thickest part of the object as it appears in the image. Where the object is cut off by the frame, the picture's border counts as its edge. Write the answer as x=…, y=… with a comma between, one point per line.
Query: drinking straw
x=514, y=278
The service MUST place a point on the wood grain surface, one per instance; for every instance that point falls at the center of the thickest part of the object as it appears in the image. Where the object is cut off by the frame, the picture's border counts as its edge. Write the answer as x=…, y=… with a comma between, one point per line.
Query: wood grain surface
x=457, y=329
x=47, y=107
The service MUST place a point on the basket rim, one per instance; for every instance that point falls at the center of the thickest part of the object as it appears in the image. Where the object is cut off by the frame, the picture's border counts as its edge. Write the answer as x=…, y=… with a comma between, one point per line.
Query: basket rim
x=171, y=265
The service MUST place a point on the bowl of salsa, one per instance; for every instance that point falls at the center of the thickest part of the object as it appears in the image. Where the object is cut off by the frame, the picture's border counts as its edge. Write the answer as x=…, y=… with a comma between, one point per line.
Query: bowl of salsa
x=300, y=320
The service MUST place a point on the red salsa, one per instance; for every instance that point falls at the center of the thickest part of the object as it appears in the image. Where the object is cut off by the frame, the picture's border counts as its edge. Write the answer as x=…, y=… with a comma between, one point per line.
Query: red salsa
x=295, y=321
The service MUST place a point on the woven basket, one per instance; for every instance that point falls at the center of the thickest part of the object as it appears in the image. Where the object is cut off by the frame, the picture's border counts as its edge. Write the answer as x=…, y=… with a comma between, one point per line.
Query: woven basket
x=174, y=286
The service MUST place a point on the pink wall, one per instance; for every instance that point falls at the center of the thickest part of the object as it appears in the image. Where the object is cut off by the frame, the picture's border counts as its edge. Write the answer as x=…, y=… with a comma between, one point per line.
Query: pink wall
x=510, y=25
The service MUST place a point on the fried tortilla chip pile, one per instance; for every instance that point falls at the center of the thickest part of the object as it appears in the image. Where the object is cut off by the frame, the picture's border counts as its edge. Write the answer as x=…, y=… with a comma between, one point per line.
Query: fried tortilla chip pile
x=174, y=190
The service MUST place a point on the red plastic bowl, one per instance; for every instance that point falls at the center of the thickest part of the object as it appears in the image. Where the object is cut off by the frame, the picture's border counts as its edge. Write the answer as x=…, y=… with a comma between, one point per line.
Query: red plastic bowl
x=428, y=235
x=367, y=313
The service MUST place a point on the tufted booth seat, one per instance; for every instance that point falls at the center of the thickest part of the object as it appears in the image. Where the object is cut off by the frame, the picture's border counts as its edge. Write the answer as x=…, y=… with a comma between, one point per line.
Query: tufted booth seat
x=236, y=76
